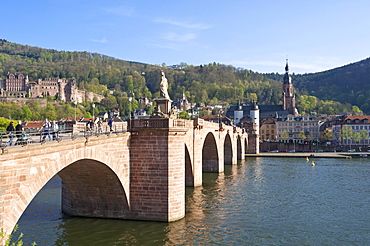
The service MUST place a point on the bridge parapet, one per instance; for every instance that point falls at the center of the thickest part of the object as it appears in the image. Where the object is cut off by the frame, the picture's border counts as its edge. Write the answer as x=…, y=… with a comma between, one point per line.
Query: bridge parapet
x=159, y=123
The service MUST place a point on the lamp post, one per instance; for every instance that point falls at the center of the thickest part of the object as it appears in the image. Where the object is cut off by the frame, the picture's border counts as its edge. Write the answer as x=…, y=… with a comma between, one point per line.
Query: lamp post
x=93, y=109
x=130, y=107
x=75, y=103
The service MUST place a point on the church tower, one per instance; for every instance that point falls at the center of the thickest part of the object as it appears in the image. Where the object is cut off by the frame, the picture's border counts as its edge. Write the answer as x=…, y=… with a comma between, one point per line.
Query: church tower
x=288, y=92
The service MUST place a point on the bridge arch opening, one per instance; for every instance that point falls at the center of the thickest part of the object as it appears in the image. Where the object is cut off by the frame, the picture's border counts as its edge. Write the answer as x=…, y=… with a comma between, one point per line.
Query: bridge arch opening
x=189, y=175
x=239, y=151
x=245, y=145
x=210, y=161
x=92, y=189
x=228, y=151
x=88, y=187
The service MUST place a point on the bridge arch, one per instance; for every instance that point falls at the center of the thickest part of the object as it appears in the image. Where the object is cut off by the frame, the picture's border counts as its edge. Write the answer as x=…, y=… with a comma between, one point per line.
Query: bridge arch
x=239, y=150
x=189, y=173
x=245, y=145
x=35, y=167
x=92, y=189
x=228, y=150
x=210, y=160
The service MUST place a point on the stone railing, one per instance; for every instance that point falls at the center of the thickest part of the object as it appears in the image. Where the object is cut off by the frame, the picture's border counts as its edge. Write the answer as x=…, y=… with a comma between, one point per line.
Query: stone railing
x=157, y=123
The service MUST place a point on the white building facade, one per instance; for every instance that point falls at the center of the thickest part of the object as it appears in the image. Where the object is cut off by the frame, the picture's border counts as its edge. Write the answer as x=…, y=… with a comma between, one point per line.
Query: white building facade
x=360, y=130
x=291, y=128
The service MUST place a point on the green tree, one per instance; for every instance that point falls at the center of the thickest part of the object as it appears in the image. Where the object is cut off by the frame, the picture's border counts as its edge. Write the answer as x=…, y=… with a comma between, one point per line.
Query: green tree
x=10, y=241
x=26, y=113
x=346, y=133
x=284, y=135
x=203, y=113
x=49, y=112
x=328, y=135
x=363, y=135
x=302, y=135
x=253, y=97
x=184, y=115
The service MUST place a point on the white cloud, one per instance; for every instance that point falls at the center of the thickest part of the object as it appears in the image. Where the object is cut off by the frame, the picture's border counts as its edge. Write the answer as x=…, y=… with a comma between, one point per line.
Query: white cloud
x=171, y=36
x=102, y=41
x=182, y=24
x=164, y=46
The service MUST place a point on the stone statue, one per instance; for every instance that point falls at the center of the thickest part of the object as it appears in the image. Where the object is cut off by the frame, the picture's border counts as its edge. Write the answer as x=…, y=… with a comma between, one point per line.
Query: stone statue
x=164, y=86
x=173, y=113
x=157, y=113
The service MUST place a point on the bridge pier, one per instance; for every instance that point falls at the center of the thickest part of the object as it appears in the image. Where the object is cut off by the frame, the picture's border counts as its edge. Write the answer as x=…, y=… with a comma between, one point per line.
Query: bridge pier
x=157, y=170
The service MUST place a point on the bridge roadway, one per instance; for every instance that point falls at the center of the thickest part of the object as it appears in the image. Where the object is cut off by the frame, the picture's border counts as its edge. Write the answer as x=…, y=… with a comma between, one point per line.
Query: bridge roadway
x=139, y=174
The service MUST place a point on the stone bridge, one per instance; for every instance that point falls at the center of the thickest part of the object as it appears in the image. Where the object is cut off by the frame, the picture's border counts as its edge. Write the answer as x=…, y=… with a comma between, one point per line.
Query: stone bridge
x=140, y=174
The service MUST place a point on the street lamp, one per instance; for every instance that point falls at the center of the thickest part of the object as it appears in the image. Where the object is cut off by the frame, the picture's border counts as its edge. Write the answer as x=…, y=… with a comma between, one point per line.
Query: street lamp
x=130, y=107
x=75, y=103
x=93, y=106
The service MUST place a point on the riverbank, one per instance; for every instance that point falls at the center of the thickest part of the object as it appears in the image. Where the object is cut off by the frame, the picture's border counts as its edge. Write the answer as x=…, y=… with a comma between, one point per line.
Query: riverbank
x=311, y=155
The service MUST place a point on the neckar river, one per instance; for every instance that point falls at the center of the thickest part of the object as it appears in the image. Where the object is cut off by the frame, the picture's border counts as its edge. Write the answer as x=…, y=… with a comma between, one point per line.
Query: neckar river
x=261, y=201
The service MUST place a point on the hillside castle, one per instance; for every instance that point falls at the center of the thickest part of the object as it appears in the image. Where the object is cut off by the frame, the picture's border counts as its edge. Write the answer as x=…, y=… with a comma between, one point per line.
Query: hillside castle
x=17, y=85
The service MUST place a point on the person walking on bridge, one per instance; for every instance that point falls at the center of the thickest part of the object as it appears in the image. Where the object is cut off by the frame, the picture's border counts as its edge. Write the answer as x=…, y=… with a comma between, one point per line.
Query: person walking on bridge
x=10, y=131
x=110, y=124
x=19, y=130
x=46, y=129
x=55, y=130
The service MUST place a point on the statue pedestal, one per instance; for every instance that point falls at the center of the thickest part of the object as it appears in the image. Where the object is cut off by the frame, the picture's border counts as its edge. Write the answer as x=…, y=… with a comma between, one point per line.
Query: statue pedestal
x=164, y=104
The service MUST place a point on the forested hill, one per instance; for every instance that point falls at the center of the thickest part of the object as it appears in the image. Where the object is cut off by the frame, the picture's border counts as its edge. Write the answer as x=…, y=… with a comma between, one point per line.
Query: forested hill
x=202, y=84
x=206, y=84
x=346, y=84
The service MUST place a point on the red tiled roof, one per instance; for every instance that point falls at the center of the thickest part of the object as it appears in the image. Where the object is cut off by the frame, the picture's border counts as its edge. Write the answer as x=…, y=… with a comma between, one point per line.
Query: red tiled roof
x=358, y=117
x=361, y=118
x=34, y=124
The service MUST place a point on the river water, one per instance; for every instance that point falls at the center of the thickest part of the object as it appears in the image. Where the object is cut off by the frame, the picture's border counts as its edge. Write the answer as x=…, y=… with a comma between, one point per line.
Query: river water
x=261, y=201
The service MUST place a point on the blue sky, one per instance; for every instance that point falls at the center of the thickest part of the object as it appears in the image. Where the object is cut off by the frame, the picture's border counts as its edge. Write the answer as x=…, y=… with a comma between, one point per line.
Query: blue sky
x=316, y=35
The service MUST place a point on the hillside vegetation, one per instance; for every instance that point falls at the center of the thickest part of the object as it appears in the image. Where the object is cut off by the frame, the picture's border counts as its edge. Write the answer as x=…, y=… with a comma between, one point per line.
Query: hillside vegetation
x=349, y=84
x=207, y=84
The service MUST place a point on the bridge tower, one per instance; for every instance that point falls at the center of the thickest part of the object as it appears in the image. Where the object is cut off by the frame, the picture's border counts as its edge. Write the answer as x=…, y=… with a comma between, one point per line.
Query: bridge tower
x=254, y=139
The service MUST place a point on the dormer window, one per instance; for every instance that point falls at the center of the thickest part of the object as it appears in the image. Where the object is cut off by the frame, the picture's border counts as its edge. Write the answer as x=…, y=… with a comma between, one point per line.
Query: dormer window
x=366, y=121
x=357, y=121
x=348, y=121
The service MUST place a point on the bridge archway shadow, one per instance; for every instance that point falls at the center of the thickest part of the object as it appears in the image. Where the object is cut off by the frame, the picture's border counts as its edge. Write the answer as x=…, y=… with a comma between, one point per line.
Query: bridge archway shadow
x=189, y=175
x=210, y=161
x=228, y=151
x=91, y=189
x=245, y=146
x=239, y=151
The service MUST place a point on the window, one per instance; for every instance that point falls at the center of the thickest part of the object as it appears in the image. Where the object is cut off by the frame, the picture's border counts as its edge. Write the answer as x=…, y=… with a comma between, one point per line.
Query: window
x=267, y=126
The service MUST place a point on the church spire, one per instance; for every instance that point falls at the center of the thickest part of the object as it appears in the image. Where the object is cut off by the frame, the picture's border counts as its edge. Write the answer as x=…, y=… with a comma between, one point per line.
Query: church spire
x=287, y=79
x=286, y=66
